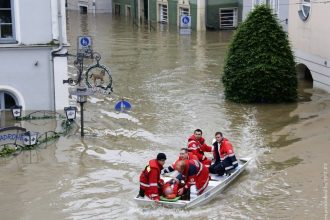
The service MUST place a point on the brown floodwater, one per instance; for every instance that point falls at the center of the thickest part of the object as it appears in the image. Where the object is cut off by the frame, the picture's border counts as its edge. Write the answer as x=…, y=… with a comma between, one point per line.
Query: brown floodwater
x=173, y=83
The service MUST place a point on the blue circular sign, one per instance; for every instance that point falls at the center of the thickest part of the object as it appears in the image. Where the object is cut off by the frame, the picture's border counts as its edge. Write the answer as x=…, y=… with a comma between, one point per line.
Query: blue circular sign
x=84, y=41
x=185, y=20
x=123, y=105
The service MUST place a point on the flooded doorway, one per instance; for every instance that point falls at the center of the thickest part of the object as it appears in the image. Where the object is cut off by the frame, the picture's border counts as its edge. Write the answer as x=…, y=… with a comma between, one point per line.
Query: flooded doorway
x=7, y=100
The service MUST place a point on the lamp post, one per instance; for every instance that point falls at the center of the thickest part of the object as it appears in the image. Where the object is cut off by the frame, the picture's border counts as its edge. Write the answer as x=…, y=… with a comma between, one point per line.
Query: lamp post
x=30, y=138
x=85, y=50
x=70, y=112
x=81, y=94
x=16, y=111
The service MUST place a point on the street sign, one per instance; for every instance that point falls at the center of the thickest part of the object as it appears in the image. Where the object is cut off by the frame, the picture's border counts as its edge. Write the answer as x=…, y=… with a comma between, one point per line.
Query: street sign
x=185, y=21
x=185, y=31
x=84, y=45
x=123, y=105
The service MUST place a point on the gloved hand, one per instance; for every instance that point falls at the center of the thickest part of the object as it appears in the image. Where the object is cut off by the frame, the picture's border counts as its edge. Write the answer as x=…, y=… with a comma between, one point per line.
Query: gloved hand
x=161, y=183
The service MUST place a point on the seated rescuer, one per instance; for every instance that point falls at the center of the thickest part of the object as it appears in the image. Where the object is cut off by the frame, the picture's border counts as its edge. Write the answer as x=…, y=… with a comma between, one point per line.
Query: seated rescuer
x=224, y=156
x=197, y=145
x=150, y=182
x=184, y=155
x=195, y=173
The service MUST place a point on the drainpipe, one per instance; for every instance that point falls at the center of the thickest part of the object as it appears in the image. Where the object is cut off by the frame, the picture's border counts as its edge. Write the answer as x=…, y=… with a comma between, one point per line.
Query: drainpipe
x=57, y=29
x=59, y=26
x=94, y=7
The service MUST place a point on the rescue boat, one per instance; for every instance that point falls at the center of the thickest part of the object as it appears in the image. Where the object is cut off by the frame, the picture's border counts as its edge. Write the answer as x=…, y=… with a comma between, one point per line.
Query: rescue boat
x=215, y=186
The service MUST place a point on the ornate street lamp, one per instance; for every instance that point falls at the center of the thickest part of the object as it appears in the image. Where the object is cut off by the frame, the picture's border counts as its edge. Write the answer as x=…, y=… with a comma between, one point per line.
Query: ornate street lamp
x=30, y=138
x=17, y=111
x=70, y=112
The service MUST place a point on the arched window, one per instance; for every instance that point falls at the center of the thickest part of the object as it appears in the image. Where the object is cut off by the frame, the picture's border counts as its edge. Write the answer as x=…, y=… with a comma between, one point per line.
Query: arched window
x=7, y=100
x=305, y=9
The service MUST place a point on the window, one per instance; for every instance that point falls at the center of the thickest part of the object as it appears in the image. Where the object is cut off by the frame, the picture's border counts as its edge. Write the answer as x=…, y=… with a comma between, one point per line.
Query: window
x=305, y=9
x=117, y=9
x=184, y=11
x=6, y=21
x=163, y=14
x=128, y=11
x=273, y=4
x=228, y=18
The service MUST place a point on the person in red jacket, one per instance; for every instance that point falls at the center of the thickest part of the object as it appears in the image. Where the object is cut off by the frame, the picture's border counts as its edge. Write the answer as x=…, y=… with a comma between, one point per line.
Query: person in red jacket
x=195, y=173
x=197, y=145
x=184, y=155
x=224, y=156
x=150, y=182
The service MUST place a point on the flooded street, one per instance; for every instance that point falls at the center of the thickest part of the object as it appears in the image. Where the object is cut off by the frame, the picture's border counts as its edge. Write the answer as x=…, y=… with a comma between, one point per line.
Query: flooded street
x=173, y=83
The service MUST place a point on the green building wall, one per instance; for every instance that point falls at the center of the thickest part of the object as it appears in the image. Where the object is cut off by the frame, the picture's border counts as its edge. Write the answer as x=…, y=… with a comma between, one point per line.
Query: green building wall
x=123, y=3
x=212, y=11
x=153, y=11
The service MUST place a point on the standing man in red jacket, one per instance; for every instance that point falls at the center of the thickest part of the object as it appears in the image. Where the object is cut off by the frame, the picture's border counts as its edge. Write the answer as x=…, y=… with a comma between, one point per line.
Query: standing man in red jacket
x=197, y=145
x=150, y=182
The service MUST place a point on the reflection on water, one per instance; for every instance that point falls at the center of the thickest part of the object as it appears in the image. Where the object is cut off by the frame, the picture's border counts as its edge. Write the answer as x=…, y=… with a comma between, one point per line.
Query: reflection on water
x=277, y=166
x=173, y=83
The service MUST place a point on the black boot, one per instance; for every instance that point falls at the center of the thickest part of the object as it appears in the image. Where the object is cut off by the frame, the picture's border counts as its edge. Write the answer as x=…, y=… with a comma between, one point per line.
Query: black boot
x=186, y=195
x=141, y=193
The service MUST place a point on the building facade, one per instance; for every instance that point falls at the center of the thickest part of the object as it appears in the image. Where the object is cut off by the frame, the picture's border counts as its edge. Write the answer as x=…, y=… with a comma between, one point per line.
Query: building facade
x=90, y=6
x=280, y=8
x=33, y=63
x=309, y=33
x=205, y=14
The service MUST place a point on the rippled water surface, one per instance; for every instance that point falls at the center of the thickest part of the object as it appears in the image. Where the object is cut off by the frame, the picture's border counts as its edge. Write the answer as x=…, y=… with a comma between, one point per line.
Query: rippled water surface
x=173, y=83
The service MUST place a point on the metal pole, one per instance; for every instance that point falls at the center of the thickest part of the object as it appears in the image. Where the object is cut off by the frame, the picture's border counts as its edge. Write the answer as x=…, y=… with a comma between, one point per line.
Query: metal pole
x=82, y=119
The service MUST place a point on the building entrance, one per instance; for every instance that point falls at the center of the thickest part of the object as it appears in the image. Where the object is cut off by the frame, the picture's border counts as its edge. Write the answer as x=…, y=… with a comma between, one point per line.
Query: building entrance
x=7, y=100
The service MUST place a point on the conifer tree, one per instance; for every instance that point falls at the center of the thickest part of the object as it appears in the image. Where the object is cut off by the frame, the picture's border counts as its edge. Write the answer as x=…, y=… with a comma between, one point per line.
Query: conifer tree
x=259, y=66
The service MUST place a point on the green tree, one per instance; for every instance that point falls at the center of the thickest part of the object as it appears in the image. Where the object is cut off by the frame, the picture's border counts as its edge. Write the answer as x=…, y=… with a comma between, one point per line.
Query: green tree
x=260, y=66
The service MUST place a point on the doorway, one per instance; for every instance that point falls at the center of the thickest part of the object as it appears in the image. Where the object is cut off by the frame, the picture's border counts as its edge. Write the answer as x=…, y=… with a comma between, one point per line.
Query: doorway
x=7, y=100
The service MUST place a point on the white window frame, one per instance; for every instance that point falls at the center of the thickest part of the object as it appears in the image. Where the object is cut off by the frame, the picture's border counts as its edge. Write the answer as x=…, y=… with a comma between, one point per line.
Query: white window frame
x=273, y=4
x=184, y=11
x=163, y=13
x=234, y=18
x=11, y=39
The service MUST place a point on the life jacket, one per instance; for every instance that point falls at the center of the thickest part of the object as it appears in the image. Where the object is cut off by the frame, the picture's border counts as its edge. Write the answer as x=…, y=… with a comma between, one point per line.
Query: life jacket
x=149, y=179
x=198, y=147
x=196, y=174
x=226, y=153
